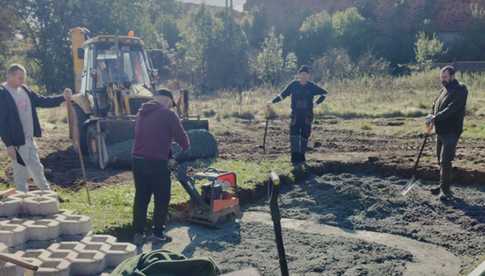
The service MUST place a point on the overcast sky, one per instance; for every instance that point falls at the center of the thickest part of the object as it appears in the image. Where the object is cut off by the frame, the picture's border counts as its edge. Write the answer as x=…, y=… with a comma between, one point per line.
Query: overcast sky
x=238, y=4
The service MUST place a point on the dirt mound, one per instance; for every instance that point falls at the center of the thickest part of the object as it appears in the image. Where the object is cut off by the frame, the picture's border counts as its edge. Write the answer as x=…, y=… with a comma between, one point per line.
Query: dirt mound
x=374, y=203
x=252, y=245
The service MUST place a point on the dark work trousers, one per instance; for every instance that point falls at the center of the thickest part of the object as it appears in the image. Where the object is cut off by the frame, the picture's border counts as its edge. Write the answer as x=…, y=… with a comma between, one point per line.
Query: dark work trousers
x=151, y=178
x=445, y=151
x=446, y=148
x=300, y=131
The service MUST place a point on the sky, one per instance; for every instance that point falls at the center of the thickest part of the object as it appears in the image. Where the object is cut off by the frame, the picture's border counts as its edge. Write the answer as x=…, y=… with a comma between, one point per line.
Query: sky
x=238, y=4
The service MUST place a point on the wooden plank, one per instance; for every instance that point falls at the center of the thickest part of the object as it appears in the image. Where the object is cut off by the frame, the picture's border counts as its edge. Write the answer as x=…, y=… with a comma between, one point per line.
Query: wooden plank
x=16, y=261
x=6, y=193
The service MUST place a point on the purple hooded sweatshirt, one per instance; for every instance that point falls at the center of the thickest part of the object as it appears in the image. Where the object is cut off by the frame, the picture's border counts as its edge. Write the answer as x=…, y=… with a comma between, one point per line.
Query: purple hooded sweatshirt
x=155, y=130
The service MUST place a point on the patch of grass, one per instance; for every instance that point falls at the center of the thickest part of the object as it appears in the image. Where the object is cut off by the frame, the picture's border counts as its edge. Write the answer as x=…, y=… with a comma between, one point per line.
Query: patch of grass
x=113, y=205
x=366, y=126
x=474, y=129
x=366, y=97
x=209, y=113
x=247, y=115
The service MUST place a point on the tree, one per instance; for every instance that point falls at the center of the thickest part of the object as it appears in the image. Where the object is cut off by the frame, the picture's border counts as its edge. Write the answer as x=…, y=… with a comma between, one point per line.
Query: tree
x=229, y=56
x=351, y=31
x=270, y=65
x=213, y=50
x=197, y=39
x=427, y=48
x=256, y=27
x=7, y=29
x=316, y=36
x=46, y=24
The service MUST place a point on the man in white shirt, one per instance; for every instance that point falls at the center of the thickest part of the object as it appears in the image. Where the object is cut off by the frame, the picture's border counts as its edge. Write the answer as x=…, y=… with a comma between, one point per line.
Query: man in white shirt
x=19, y=124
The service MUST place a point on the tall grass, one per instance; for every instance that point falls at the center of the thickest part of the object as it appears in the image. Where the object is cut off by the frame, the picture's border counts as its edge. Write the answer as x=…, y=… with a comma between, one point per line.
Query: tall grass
x=368, y=96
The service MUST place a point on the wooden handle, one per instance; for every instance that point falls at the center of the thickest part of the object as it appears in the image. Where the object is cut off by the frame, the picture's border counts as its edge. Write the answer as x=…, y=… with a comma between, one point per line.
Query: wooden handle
x=16, y=261
x=6, y=193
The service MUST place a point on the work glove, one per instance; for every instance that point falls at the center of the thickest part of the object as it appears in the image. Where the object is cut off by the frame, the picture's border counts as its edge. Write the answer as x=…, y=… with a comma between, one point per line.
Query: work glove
x=320, y=100
x=270, y=112
x=277, y=99
x=172, y=164
x=429, y=120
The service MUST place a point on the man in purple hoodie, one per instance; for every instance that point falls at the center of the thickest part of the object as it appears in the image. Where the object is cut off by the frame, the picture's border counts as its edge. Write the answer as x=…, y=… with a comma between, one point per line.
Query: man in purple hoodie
x=156, y=128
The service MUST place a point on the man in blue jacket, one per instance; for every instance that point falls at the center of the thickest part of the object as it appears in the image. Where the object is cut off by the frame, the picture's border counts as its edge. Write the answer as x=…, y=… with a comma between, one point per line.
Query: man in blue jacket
x=302, y=92
x=19, y=124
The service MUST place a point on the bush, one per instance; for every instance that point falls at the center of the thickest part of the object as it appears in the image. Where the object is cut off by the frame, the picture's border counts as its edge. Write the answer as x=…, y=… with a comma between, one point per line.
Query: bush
x=270, y=65
x=428, y=49
x=337, y=64
x=351, y=31
x=316, y=36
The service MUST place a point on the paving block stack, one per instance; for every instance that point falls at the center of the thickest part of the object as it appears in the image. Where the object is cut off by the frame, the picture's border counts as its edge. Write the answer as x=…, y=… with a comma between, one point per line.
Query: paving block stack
x=26, y=218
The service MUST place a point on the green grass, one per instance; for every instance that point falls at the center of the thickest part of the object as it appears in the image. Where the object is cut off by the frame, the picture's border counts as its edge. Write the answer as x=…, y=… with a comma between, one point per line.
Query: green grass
x=363, y=98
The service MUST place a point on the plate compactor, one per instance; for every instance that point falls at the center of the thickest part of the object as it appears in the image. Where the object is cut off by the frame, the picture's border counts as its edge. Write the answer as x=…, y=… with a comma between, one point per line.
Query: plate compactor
x=217, y=203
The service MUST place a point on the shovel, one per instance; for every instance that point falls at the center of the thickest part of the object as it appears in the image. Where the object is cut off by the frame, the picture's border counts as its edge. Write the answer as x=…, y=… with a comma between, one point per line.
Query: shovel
x=410, y=185
x=77, y=144
x=265, y=134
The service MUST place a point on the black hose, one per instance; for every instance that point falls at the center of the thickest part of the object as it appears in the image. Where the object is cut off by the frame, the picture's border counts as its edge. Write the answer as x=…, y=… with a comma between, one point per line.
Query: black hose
x=276, y=217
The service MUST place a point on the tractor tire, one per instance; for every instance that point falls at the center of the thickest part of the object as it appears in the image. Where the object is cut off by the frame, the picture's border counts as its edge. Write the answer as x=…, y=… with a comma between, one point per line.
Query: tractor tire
x=81, y=117
x=92, y=146
x=203, y=145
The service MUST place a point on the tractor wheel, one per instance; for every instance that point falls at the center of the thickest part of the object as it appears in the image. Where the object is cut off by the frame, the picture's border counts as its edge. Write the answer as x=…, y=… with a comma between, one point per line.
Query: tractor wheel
x=81, y=117
x=203, y=145
x=92, y=145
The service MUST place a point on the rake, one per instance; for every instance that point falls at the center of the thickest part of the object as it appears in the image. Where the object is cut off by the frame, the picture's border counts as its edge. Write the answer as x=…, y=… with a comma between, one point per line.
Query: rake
x=410, y=185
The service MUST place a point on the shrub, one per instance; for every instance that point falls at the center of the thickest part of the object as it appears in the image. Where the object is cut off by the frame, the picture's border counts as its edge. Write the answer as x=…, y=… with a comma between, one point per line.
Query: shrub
x=270, y=65
x=428, y=49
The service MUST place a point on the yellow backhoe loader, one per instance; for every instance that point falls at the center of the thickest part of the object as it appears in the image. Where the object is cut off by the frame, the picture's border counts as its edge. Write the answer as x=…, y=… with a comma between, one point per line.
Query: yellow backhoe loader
x=113, y=78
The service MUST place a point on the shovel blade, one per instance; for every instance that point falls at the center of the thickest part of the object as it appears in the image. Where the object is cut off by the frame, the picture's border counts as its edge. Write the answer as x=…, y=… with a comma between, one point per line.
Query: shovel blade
x=409, y=186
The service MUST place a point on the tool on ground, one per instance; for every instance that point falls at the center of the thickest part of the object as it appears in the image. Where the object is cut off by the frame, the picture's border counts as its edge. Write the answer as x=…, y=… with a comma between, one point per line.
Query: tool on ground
x=77, y=145
x=276, y=217
x=410, y=185
x=6, y=193
x=17, y=261
x=244, y=272
x=218, y=201
x=265, y=134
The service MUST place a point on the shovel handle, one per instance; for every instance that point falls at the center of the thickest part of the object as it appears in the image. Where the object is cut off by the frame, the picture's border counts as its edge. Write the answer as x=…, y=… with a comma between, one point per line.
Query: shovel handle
x=16, y=261
x=265, y=134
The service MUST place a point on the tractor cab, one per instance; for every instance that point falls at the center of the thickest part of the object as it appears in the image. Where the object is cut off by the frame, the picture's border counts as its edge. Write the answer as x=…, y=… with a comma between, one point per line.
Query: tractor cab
x=117, y=77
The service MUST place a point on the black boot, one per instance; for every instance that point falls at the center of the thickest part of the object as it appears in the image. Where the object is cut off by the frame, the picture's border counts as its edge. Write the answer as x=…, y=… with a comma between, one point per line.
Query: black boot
x=304, y=147
x=436, y=191
x=445, y=181
x=294, y=158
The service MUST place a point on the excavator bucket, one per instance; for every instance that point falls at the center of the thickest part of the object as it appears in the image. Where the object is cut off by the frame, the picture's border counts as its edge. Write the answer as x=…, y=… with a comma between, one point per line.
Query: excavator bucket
x=110, y=142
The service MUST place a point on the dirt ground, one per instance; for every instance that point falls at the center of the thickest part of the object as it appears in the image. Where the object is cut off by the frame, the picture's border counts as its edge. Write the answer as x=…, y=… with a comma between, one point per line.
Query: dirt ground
x=332, y=140
x=387, y=142
x=373, y=203
x=350, y=224
x=252, y=245
x=352, y=201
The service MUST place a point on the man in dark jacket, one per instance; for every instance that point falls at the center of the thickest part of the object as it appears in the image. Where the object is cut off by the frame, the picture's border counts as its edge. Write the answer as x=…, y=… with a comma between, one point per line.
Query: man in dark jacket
x=19, y=124
x=447, y=118
x=302, y=92
x=156, y=128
